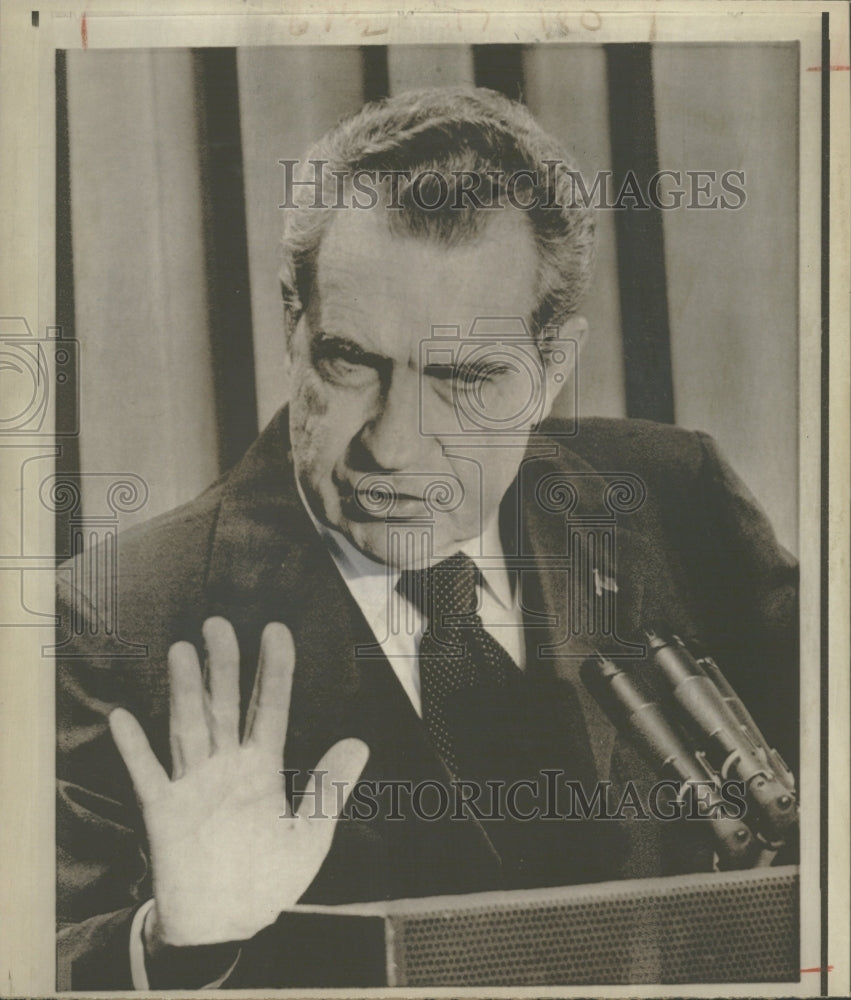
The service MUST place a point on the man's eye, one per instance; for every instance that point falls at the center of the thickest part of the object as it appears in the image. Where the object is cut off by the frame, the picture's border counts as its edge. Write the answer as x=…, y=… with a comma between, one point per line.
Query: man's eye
x=342, y=363
x=342, y=369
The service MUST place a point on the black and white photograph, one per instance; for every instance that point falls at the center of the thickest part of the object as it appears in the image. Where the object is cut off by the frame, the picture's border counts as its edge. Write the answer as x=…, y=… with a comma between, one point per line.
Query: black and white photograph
x=419, y=463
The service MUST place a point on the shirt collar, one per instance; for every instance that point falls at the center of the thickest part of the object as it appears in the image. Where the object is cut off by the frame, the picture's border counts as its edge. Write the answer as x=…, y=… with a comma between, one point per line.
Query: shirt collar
x=373, y=579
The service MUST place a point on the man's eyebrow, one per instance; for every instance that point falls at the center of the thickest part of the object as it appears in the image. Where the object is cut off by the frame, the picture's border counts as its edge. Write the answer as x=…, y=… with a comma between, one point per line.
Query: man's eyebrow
x=465, y=370
x=328, y=344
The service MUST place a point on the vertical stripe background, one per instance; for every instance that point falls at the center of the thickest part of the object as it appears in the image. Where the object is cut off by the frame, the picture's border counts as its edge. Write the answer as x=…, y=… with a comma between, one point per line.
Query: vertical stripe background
x=225, y=252
x=68, y=456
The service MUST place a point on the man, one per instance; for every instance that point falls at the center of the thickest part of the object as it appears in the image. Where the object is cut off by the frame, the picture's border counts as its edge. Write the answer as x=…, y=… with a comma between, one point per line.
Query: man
x=397, y=586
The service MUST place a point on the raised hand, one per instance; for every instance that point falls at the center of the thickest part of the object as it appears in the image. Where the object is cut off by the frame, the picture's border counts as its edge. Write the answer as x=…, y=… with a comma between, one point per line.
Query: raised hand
x=227, y=851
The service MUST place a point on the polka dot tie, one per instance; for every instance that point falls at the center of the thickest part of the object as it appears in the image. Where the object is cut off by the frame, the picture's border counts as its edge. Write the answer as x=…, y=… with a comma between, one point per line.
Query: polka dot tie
x=465, y=674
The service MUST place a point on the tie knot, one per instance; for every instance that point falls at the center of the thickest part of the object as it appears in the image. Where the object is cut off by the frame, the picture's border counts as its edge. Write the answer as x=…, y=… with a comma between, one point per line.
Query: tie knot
x=444, y=591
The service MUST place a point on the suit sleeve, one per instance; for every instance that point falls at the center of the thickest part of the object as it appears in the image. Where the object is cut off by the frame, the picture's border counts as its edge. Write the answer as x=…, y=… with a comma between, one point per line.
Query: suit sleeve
x=101, y=879
x=102, y=870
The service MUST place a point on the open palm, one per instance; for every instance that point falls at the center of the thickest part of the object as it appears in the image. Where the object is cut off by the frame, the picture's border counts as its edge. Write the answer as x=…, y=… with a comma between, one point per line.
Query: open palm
x=227, y=851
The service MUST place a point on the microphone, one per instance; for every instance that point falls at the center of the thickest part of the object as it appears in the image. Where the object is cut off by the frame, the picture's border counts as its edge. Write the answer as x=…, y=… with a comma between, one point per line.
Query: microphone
x=710, y=706
x=631, y=708
x=688, y=722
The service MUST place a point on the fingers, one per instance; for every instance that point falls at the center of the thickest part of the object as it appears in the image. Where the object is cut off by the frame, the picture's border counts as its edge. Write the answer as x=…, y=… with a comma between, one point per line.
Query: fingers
x=146, y=772
x=202, y=720
x=189, y=732
x=222, y=662
x=338, y=770
x=268, y=713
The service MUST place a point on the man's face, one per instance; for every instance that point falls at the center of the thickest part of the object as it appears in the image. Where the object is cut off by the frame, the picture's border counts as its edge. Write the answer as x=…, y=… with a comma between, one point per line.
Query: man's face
x=374, y=411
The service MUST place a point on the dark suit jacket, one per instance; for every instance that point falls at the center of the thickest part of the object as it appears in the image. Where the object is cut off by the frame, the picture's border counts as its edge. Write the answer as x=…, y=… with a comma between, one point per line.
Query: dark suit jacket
x=695, y=551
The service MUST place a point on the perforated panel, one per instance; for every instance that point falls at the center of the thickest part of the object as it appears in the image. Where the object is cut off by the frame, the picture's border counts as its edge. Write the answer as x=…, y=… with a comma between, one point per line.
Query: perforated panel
x=733, y=927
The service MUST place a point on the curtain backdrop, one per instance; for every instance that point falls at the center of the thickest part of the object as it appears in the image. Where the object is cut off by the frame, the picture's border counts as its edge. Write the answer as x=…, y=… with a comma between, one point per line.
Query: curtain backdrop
x=175, y=186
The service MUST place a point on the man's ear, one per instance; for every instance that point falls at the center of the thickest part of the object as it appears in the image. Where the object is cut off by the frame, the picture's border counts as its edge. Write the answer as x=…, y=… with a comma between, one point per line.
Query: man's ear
x=560, y=351
x=292, y=310
x=289, y=324
x=291, y=321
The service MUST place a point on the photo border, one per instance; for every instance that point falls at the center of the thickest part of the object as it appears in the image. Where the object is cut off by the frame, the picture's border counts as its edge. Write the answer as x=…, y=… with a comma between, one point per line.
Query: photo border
x=28, y=221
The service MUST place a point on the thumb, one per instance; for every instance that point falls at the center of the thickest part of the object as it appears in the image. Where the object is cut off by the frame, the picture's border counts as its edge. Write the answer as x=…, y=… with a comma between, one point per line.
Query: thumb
x=148, y=777
x=332, y=782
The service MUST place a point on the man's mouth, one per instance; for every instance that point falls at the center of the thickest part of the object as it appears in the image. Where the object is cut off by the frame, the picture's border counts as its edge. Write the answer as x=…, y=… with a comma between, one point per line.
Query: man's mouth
x=378, y=501
x=381, y=495
x=378, y=497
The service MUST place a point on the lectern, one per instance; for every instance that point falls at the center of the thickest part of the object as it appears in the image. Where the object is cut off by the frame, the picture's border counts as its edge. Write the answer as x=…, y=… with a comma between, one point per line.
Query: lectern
x=728, y=927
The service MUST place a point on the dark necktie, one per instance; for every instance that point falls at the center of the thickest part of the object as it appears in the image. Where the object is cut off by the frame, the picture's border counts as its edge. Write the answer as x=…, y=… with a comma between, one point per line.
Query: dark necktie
x=494, y=726
x=465, y=674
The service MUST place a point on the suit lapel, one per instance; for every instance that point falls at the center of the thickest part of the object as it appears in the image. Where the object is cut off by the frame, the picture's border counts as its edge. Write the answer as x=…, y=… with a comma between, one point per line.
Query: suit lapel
x=581, y=593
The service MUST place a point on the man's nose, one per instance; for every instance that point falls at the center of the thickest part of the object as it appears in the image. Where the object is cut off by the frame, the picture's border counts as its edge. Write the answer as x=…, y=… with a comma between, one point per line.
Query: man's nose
x=391, y=439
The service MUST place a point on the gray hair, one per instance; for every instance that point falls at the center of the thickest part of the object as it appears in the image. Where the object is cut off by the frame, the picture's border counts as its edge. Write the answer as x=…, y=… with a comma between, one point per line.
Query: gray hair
x=435, y=136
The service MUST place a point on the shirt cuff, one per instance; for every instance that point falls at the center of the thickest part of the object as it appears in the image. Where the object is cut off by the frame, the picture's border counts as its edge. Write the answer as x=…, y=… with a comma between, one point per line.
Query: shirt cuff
x=138, y=971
